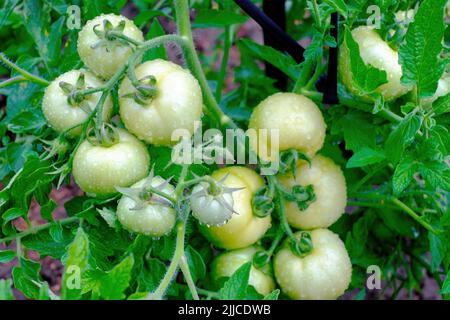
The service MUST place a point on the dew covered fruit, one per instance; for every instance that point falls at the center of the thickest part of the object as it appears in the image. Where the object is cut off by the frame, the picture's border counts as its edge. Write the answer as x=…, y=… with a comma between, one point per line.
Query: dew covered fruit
x=296, y=118
x=98, y=169
x=330, y=191
x=323, y=274
x=244, y=228
x=62, y=112
x=102, y=54
x=177, y=104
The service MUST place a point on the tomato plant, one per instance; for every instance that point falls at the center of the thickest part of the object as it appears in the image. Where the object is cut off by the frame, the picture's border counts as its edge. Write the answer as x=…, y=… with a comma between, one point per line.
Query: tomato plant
x=133, y=150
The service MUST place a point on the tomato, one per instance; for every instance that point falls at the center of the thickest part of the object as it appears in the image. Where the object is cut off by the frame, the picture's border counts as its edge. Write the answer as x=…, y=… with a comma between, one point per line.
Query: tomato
x=210, y=209
x=62, y=114
x=99, y=169
x=325, y=273
x=154, y=217
x=105, y=56
x=377, y=53
x=225, y=264
x=297, y=119
x=330, y=190
x=442, y=89
x=178, y=103
x=244, y=228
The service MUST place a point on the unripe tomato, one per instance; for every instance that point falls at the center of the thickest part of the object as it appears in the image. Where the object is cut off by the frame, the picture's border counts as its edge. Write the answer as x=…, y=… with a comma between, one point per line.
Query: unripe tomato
x=298, y=120
x=329, y=187
x=325, y=273
x=177, y=104
x=376, y=52
x=243, y=229
x=209, y=209
x=104, y=57
x=62, y=115
x=154, y=218
x=225, y=264
x=442, y=89
x=99, y=169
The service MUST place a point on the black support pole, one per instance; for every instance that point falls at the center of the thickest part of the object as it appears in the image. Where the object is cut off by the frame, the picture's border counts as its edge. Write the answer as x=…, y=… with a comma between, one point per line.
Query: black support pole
x=276, y=11
x=287, y=44
x=330, y=94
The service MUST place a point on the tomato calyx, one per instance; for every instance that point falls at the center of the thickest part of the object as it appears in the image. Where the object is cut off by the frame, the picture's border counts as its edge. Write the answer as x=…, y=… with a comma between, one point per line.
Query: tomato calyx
x=58, y=146
x=148, y=194
x=145, y=89
x=262, y=202
x=301, y=246
x=74, y=93
x=302, y=196
x=260, y=259
x=110, y=34
x=289, y=159
x=106, y=137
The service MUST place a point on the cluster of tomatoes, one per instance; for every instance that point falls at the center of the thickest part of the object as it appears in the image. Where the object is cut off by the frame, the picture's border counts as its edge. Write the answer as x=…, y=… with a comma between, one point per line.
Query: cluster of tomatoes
x=158, y=97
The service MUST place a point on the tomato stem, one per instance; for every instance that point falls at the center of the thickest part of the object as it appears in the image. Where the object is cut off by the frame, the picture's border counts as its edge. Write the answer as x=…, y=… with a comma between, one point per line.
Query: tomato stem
x=27, y=75
x=228, y=40
x=39, y=228
x=12, y=81
x=188, y=277
x=174, y=264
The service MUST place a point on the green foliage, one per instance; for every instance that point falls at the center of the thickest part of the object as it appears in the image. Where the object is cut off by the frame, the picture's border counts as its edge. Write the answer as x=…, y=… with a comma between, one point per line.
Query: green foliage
x=394, y=154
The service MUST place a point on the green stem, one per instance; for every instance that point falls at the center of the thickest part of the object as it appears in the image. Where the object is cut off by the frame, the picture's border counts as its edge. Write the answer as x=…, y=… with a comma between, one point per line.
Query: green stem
x=413, y=214
x=223, y=66
x=278, y=237
x=367, y=177
x=305, y=74
x=353, y=103
x=11, y=81
x=317, y=14
x=38, y=229
x=173, y=267
x=184, y=30
x=24, y=73
x=120, y=35
x=162, y=194
x=188, y=277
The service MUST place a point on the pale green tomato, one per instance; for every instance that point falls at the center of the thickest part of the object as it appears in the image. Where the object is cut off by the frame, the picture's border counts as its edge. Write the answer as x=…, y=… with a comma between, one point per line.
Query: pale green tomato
x=98, y=169
x=156, y=218
x=330, y=189
x=442, y=89
x=296, y=118
x=324, y=274
x=225, y=264
x=377, y=53
x=208, y=209
x=106, y=59
x=60, y=114
x=177, y=105
x=244, y=228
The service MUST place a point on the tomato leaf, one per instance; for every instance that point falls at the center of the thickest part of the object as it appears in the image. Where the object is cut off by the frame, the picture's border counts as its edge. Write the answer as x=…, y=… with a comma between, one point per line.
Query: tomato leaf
x=365, y=77
x=402, y=136
x=419, y=54
x=236, y=285
x=364, y=157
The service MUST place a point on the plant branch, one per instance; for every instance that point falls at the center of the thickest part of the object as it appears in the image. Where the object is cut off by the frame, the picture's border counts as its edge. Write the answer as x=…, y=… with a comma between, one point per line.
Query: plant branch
x=38, y=229
x=174, y=264
x=27, y=75
x=188, y=277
